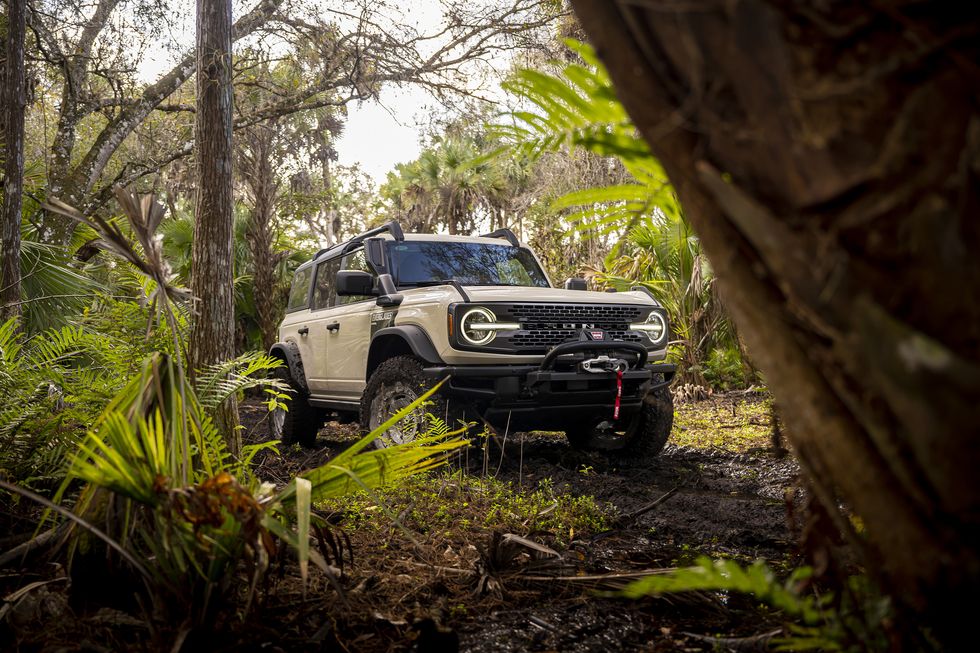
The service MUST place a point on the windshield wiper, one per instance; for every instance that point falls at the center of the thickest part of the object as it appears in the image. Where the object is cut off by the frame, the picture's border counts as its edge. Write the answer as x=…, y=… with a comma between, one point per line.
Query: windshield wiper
x=431, y=282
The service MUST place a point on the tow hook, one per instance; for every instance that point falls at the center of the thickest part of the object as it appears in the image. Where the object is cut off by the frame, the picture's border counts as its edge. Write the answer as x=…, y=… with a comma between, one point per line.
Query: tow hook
x=603, y=364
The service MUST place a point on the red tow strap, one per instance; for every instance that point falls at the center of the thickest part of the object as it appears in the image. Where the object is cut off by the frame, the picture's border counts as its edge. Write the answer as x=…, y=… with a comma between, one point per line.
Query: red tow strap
x=619, y=393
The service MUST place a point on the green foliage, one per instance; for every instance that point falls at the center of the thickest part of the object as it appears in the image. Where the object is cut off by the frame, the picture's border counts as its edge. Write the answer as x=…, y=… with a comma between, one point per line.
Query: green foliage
x=578, y=108
x=52, y=286
x=453, y=184
x=58, y=382
x=815, y=622
x=721, y=574
x=218, y=383
x=51, y=382
x=178, y=238
x=192, y=512
x=461, y=508
x=725, y=370
x=736, y=426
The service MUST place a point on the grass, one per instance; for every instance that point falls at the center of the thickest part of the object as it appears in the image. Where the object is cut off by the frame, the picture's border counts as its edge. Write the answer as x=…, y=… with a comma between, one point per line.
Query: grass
x=719, y=424
x=459, y=508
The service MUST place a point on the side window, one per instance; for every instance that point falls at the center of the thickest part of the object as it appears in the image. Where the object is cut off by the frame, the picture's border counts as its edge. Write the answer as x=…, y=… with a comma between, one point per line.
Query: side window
x=299, y=291
x=326, y=277
x=356, y=261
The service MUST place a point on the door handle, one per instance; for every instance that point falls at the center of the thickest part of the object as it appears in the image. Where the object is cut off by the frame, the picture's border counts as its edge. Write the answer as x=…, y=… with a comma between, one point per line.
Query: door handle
x=303, y=330
x=333, y=326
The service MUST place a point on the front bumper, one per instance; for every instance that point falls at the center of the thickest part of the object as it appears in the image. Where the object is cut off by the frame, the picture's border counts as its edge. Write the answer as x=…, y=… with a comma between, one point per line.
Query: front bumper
x=557, y=393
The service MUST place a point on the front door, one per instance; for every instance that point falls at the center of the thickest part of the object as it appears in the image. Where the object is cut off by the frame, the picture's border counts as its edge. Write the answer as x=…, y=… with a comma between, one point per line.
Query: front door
x=350, y=337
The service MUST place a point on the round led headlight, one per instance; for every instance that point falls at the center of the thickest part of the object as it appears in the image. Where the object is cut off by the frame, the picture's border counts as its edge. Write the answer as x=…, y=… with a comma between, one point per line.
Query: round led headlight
x=655, y=327
x=474, y=326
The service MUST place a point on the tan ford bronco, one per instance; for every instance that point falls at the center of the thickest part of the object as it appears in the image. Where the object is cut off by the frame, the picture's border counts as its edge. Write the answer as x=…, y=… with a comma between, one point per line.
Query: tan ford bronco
x=374, y=322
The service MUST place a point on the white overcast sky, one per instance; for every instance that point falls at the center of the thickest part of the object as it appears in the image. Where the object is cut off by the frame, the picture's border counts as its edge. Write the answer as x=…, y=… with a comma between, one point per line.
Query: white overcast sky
x=377, y=134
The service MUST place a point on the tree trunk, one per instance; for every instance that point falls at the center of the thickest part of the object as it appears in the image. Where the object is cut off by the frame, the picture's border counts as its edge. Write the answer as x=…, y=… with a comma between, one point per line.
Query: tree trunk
x=14, y=104
x=828, y=156
x=261, y=180
x=212, y=274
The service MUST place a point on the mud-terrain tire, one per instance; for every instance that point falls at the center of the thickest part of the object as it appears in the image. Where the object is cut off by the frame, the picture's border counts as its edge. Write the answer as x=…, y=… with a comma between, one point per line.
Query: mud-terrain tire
x=301, y=422
x=396, y=383
x=646, y=434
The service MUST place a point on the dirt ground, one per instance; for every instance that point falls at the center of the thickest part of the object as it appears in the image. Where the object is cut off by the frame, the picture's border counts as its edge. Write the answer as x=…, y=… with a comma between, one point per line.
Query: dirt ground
x=462, y=581
x=725, y=494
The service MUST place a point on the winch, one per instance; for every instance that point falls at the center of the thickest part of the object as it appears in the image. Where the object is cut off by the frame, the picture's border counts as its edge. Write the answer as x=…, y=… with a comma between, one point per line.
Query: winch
x=602, y=364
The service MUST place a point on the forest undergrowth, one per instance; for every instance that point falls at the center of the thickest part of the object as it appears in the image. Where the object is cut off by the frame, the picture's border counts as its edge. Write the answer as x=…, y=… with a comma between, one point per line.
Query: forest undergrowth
x=511, y=546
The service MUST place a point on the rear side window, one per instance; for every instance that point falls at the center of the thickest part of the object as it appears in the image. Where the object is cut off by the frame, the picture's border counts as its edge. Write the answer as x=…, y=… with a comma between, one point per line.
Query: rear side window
x=326, y=282
x=299, y=291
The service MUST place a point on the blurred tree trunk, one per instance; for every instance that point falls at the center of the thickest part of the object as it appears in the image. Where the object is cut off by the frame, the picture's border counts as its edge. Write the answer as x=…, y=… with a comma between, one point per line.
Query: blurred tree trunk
x=212, y=273
x=828, y=156
x=260, y=178
x=14, y=97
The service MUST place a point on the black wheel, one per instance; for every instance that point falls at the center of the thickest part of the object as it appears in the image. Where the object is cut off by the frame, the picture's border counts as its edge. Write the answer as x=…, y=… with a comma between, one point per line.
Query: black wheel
x=301, y=422
x=396, y=383
x=642, y=436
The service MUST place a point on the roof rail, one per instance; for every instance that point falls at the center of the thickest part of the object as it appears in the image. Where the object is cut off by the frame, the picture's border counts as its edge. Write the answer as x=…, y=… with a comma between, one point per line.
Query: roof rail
x=392, y=227
x=503, y=233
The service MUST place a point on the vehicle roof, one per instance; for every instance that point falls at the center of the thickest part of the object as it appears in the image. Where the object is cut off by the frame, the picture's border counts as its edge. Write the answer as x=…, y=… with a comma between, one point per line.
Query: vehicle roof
x=445, y=238
x=440, y=238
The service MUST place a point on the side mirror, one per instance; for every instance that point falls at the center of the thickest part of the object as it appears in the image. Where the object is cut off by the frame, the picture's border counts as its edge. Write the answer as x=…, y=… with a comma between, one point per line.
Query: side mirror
x=576, y=283
x=388, y=297
x=354, y=282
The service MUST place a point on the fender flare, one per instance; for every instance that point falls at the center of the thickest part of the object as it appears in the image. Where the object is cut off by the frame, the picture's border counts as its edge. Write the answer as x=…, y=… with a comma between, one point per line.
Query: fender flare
x=289, y=352
x=416, y=339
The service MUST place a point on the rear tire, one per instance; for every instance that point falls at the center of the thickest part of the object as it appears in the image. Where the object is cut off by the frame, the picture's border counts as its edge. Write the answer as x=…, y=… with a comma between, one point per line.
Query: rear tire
x=396, y=383
x=642, y=437
x=301, y=422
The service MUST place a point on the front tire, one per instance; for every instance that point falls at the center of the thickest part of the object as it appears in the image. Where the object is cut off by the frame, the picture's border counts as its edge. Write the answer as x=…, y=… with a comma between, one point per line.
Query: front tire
x=642, y=437
x=301, y=422
x=396, y=383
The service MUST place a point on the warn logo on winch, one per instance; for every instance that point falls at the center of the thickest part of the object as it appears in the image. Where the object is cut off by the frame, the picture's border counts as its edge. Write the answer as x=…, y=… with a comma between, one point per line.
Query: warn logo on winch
x=597, y=335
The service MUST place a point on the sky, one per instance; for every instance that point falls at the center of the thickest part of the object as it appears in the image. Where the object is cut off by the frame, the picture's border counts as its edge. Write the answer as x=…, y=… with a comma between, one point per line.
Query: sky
x=377, y=134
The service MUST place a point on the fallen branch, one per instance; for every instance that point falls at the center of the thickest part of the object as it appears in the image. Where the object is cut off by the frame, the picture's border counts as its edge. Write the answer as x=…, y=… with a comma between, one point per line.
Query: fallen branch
x=759, y=642
x=629, y=518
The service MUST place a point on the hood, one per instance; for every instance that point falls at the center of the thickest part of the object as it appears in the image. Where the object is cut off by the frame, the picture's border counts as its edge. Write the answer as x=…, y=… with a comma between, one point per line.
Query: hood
x=556, y=295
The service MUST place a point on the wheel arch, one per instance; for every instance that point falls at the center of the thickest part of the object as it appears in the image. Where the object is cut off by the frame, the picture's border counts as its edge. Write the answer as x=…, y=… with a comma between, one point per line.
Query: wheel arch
x=289, y=353
x=406, y=340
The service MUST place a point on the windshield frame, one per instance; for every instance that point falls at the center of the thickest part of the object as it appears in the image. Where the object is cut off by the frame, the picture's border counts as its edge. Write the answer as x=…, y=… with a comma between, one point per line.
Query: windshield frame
x=393, y=267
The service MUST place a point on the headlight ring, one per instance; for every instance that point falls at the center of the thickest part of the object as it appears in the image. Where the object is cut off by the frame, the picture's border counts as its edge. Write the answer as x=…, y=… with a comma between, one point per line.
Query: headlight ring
x=479, y=326
x=655, y=328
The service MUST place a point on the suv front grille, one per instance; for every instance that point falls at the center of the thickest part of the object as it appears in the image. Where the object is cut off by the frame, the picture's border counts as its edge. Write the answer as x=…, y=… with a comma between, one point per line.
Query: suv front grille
x=577, y=313
x=545, y=325
x=548, y=338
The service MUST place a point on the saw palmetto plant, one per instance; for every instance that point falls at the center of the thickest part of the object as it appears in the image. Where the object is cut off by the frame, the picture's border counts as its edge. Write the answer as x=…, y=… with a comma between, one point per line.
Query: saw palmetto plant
x=194, y=538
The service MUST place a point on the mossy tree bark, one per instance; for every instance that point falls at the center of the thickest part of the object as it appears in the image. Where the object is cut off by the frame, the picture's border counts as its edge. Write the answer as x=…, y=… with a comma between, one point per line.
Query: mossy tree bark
x=828, y=156
x=14, y=98
x=212, y=273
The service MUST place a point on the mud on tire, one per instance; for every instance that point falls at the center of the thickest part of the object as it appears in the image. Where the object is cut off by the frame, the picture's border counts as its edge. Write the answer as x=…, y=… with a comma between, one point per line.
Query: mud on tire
x=301, y=422
x=646, y=434
x=656, y=419
x=396, y=383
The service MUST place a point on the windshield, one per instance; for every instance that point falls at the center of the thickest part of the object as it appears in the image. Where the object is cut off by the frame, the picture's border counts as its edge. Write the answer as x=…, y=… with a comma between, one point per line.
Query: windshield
x=421, y=263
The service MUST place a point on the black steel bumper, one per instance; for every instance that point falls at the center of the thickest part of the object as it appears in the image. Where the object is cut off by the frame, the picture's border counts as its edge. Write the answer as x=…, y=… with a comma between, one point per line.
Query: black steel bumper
x=556, y=393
